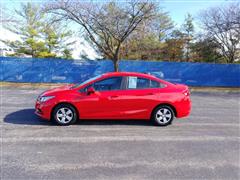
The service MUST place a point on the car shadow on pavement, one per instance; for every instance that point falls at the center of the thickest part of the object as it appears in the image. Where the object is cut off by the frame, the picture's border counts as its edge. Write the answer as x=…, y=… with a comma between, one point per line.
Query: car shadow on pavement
x=114, y=122
x=27, y=117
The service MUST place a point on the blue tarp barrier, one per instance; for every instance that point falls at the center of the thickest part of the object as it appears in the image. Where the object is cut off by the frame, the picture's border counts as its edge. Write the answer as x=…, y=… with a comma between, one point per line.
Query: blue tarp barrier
x=33, y=70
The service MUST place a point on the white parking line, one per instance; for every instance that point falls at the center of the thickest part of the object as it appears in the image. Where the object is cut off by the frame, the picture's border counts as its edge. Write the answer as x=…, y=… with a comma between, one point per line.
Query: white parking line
x=120, y=138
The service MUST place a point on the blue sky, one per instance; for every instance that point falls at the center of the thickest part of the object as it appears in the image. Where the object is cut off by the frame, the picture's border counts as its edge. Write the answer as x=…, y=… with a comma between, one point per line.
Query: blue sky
x=176, y=8
x=179, y=8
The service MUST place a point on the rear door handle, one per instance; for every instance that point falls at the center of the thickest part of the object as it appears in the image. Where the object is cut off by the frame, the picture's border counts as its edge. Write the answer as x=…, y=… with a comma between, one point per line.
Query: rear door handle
x=113, y=97
x=145, y=94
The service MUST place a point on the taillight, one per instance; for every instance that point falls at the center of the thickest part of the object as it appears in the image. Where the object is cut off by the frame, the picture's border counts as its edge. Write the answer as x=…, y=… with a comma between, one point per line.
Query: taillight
x=186, y=92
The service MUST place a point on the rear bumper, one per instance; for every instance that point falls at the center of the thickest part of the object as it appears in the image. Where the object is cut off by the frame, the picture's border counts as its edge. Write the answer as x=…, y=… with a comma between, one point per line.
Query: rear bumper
x=184, y=108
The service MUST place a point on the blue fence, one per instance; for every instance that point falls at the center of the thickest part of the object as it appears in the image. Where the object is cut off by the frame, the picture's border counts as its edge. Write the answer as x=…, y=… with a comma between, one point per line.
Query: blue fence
x=74, y=71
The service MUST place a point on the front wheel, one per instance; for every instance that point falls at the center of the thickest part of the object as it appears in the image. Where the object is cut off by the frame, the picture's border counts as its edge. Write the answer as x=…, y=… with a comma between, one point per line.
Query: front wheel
x=64, y=114
x=163, y=115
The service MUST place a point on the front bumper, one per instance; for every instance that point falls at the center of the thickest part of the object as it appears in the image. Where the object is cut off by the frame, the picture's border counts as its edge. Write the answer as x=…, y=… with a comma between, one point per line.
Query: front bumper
x=43, y=110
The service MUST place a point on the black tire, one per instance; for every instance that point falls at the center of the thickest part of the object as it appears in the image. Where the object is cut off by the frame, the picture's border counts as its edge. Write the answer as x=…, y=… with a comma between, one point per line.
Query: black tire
x=67, y=118
x=162, y=115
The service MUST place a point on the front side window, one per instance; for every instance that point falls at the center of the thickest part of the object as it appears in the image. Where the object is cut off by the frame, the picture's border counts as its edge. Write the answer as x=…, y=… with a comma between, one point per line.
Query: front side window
x=108, y=84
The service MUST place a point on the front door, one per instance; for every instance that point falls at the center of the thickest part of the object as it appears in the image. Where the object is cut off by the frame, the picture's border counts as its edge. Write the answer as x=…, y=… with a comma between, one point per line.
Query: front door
x=104, y=102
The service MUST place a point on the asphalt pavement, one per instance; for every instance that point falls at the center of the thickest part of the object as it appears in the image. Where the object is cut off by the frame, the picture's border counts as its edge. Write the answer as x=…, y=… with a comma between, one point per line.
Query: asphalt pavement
x=205, y=145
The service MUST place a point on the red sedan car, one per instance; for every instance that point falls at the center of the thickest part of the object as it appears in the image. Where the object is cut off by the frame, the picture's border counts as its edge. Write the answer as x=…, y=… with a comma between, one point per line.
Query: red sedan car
x=117, y=95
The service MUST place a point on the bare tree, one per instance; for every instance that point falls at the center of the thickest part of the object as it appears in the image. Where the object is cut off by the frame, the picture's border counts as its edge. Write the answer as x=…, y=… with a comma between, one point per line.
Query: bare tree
x=163, y=25
x=222, y=25
x=107, y=24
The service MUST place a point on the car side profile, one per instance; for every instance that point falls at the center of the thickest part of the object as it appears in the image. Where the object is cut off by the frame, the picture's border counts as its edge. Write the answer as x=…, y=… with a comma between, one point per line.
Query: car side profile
x=116, y=95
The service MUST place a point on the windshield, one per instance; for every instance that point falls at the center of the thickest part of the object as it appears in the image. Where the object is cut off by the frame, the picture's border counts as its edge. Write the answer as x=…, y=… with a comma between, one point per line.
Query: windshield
x=85, y=82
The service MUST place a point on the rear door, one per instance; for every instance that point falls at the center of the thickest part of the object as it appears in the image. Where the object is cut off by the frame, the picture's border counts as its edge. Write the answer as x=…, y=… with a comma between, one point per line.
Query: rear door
x=140, y=97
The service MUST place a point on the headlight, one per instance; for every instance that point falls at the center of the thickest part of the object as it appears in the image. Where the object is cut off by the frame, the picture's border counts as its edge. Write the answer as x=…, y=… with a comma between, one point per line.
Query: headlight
x=45, y=98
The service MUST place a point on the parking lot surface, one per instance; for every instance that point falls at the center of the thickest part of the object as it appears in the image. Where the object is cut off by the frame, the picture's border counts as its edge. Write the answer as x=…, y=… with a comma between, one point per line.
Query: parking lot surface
x=205, y=145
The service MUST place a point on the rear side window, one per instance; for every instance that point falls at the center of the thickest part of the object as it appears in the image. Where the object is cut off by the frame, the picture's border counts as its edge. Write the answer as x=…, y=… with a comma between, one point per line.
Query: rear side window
x=154, y=84
x=142, y=83
x=137, y=83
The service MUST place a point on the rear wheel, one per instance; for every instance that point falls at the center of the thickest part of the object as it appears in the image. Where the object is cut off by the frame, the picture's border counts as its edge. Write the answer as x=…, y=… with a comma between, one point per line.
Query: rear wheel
x=163, y=115
x=64, y=114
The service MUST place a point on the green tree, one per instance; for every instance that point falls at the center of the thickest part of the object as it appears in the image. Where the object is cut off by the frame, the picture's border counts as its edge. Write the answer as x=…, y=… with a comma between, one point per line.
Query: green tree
x=28, y=27
x=39, y=35
x=174, y=48
x=148, y=42
x=67, y=54
x=206, y=50
x=188, y=30
x=145, y=47
x=57, y=40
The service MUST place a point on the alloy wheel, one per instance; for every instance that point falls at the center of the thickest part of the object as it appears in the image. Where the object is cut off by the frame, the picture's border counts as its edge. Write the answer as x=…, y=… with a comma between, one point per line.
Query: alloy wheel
x=64, y=115
x=163, y=116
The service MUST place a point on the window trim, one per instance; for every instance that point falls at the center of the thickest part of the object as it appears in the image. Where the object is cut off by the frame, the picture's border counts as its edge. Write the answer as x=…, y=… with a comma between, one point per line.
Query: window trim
x=126, y=83
x=102, y=79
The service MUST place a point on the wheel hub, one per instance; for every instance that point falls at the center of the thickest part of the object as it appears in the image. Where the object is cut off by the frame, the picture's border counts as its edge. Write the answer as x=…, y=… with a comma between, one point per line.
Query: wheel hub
x=163, y=115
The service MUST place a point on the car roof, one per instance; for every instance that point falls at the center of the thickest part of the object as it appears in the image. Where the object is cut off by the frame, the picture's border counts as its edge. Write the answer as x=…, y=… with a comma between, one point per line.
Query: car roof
x=128, y=74
x=143, y=75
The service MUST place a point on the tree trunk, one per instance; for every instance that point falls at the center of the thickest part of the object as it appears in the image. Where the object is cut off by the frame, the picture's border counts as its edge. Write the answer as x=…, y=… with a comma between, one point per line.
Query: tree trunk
x=231, y=57
x=115, y=63
x=188, y=51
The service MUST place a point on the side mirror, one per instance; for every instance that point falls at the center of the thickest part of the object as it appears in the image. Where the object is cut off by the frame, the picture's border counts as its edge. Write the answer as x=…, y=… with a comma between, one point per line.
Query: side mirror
x=90, y=90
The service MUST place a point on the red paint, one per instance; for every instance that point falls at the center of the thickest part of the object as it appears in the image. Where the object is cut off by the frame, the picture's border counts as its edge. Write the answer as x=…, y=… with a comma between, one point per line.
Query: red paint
x=118, y=104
